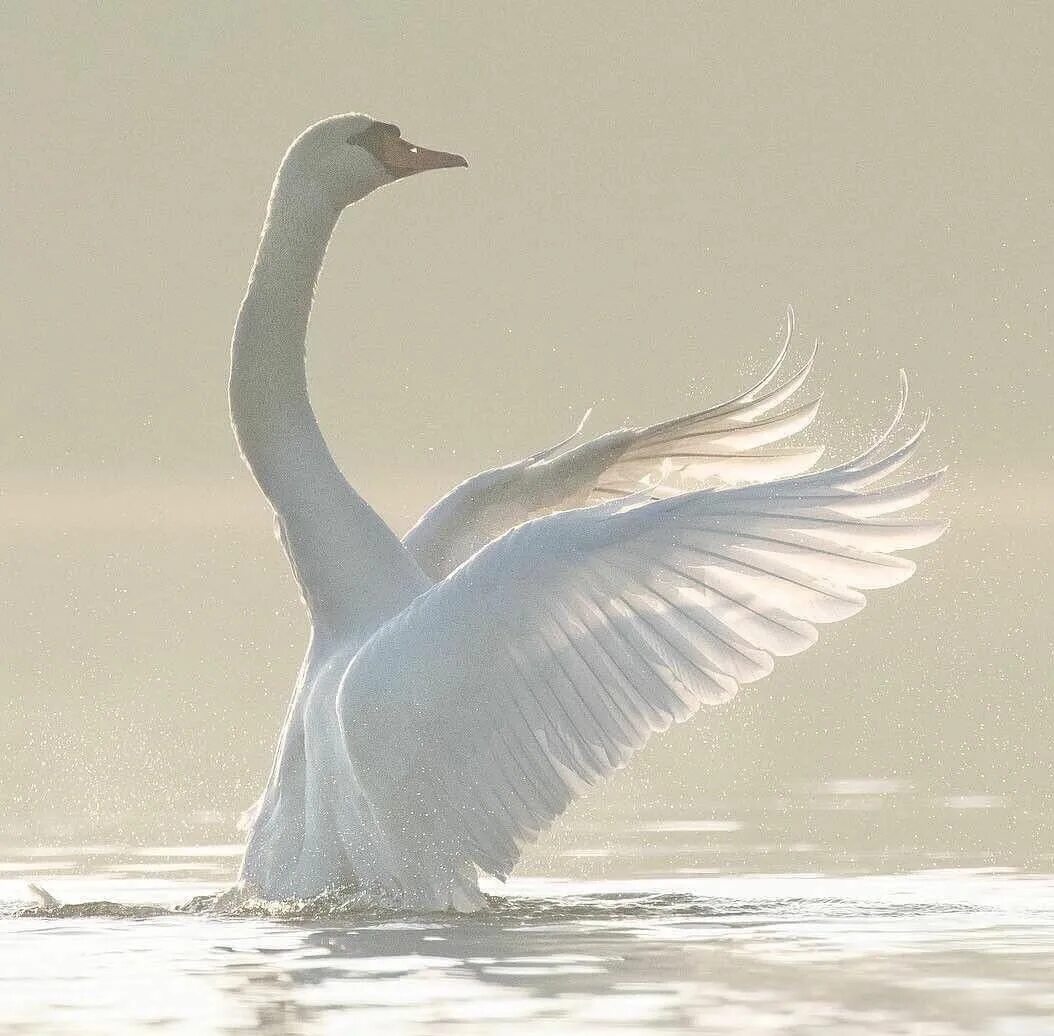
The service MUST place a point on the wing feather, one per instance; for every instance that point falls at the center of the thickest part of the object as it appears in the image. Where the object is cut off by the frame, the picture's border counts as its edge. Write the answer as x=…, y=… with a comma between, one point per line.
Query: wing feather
x=545, y=661
x=722, y=445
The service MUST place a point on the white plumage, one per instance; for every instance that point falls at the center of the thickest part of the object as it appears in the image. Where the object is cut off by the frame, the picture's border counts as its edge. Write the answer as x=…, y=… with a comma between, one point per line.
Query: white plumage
x=714, y=447
x=544, y=618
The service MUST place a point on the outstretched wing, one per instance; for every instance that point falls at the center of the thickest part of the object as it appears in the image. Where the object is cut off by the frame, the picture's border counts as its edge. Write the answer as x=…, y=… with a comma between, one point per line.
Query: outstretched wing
x=540, y=665
x=728, y=444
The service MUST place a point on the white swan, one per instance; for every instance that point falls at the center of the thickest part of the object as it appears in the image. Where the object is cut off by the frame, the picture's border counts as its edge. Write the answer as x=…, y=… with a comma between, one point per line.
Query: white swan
x=543, y=619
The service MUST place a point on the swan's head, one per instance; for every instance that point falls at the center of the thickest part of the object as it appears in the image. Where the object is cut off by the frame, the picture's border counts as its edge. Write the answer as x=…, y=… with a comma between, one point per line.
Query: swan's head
x=348, y=156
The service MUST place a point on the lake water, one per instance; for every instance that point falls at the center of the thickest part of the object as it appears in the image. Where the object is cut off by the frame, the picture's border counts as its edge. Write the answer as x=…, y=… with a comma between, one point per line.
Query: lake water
x=698, y=925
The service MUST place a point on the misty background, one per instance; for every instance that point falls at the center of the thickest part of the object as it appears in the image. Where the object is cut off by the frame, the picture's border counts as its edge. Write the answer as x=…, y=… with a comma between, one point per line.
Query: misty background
x=649, y=186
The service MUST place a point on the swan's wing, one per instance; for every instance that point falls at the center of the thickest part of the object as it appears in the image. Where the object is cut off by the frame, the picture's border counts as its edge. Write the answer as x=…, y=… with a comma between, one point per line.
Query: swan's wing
x=540, y=665
x=728, y=444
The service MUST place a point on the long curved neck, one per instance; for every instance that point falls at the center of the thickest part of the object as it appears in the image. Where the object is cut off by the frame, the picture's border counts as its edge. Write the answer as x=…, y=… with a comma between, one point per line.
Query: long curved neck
x=273, y=421
x=352, y=570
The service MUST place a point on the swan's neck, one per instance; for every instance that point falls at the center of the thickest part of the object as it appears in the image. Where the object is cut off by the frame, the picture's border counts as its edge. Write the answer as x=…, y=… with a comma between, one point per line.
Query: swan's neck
x=352, y=570
x=268, y=388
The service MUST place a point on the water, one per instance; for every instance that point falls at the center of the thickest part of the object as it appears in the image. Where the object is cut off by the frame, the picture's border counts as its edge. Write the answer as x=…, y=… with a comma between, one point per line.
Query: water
x=705, y=929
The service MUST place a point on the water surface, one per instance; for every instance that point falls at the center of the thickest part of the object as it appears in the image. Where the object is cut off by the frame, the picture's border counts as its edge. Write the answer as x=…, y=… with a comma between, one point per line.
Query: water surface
x=673, y=944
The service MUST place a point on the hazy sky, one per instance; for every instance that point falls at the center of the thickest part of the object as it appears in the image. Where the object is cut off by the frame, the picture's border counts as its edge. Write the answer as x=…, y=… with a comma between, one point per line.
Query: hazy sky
x=649, y=186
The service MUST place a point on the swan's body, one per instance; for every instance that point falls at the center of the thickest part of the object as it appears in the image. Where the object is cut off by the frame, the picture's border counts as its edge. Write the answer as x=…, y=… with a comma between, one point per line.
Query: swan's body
x=543, y=619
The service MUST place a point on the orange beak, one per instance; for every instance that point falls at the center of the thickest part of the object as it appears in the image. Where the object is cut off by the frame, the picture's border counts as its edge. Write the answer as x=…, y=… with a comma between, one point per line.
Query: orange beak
x=404, y=159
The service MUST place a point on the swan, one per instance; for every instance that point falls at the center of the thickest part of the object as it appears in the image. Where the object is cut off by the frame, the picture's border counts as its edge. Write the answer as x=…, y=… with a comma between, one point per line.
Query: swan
x=462, y=686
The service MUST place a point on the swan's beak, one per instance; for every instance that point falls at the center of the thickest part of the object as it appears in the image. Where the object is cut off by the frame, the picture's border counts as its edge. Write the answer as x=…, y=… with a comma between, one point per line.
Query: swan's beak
x=404, y=159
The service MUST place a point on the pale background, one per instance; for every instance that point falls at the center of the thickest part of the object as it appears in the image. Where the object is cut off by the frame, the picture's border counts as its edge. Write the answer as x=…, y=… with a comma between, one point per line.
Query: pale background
x=649, y=185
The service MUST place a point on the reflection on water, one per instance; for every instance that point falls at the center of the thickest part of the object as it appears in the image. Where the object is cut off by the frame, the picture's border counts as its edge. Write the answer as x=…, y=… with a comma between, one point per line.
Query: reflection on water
x=928, y=953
